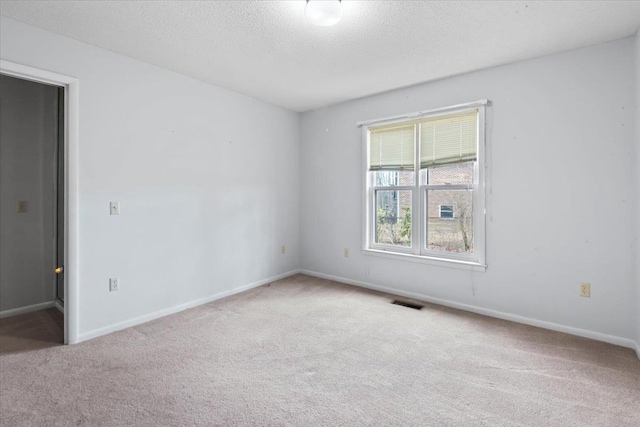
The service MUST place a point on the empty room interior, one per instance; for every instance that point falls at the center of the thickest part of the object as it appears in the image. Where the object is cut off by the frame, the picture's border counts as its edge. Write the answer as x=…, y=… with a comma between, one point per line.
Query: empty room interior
x=320, y=212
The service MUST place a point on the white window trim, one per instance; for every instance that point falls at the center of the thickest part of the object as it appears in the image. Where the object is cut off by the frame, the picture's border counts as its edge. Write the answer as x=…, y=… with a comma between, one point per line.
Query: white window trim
x=476, y=261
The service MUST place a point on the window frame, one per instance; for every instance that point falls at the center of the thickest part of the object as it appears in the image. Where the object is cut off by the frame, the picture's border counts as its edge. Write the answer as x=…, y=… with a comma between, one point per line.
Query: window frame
x=418, y=250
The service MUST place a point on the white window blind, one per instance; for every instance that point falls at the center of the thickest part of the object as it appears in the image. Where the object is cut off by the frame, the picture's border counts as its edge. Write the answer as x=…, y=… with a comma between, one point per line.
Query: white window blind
x=449, y=139
x=392, y=148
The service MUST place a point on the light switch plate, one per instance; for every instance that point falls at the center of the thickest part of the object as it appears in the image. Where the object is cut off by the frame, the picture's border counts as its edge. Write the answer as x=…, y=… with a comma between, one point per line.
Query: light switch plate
x=114, y=208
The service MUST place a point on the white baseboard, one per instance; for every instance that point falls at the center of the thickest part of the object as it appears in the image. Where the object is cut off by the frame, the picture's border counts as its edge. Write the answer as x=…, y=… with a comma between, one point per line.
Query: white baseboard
x=171, y=310
x=27, y=309
x=637, y=348
x=59, y=307
x=611, y=339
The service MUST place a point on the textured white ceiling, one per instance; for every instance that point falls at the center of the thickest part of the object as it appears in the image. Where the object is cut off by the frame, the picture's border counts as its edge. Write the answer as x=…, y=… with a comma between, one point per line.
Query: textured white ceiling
x=267, y=49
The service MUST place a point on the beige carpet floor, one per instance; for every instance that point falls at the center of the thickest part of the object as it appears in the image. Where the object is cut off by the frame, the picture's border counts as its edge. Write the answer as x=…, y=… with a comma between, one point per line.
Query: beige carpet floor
x=310, y=352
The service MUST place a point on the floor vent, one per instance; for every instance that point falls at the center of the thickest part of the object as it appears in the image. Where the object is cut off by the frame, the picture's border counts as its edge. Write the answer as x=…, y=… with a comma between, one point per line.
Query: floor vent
x=407, y=304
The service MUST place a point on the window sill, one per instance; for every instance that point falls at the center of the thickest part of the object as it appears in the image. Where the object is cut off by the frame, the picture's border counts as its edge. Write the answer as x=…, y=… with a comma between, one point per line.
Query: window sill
x=440, y=262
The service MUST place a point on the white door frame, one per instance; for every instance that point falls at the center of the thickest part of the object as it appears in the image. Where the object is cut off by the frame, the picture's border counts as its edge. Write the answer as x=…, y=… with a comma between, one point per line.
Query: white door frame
x=70, y=85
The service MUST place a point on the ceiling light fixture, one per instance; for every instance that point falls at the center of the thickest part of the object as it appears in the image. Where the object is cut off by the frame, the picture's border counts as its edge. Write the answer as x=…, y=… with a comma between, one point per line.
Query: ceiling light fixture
x=324, y=13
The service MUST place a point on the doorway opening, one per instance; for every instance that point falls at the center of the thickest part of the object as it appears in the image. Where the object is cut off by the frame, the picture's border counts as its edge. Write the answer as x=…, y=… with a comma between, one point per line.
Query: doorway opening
x=31, y=214
x=39, y=209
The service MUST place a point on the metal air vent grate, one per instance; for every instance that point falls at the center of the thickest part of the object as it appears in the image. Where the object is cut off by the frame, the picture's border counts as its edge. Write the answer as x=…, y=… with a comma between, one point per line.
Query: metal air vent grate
x=407, y=304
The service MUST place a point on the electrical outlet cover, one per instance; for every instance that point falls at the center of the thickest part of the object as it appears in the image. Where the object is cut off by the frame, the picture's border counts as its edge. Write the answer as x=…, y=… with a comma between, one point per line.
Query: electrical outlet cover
x=585, y=290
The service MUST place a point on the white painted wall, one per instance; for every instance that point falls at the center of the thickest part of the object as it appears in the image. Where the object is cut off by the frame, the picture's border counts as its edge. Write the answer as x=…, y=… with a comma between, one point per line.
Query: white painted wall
x=28, y=133
x=559, y=197
x=208, y=181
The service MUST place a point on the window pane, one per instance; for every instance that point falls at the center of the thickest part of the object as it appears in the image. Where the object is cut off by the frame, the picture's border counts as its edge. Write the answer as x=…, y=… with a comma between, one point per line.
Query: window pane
x=393, y=178
x=446, y=211
x=450, y=220
x=393, y=217
x=459, y=173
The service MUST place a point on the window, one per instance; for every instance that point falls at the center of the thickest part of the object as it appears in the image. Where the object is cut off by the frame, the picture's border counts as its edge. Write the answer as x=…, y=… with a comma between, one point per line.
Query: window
x=425, y=185
x=446, y=211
